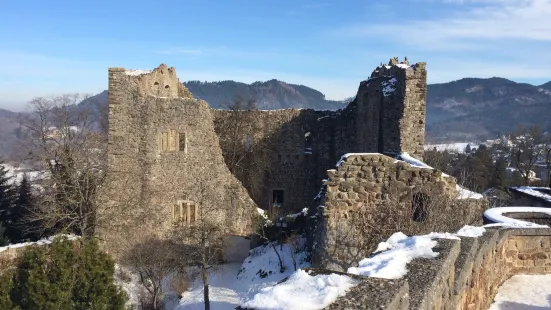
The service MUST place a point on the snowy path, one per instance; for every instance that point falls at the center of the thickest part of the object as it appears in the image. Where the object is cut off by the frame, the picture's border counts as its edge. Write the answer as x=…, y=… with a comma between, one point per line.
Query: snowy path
x=524, y=292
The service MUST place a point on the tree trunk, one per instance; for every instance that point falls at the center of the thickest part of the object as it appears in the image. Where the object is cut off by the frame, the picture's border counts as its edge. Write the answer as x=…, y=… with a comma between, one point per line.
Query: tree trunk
x=281, y=270
x=205, y=286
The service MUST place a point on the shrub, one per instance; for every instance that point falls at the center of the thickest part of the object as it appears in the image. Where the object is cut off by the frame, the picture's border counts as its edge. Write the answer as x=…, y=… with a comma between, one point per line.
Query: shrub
x=65, y=276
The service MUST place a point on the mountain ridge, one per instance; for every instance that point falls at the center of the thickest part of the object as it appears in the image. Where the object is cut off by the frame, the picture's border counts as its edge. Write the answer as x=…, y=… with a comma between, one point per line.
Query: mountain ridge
x=468, y=109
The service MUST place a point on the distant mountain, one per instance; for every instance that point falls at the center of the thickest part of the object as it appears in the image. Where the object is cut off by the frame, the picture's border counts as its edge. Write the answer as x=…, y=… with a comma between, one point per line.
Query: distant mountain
x=269, y=95
x=476, y=109
x=10, y=134
x=546, y=86
x=469, y=109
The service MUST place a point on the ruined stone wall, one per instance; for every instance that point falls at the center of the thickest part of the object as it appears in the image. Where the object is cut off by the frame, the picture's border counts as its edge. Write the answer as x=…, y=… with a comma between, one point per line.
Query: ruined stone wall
x=162, y=151
x=370, y=196
x=292, y=149
x=287, y=150
x=466, y=274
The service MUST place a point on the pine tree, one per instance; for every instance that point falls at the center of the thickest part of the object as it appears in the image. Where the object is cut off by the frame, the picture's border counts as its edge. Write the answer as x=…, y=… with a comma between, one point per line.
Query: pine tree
x=94, y=283
x=7, y=201
x=3, y=240
x=61, y=276
x=6, y=285
x=22, y=212
x=31, y=282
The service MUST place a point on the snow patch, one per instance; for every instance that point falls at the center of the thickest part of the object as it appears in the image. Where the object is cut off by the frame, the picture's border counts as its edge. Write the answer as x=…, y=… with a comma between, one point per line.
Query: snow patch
x=345, y=156
x=395, y=254
x=467, y=194
x=413, y=161
x=392, y=256
x=302, y=291
x=43, y=241
x=15, y=174
x=523, y=292
x=451, y=147
x=137, y=72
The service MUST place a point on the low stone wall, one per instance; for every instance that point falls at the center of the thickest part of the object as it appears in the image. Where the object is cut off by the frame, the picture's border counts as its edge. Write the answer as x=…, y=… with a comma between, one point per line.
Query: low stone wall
x=466, y=274
x=370, y=196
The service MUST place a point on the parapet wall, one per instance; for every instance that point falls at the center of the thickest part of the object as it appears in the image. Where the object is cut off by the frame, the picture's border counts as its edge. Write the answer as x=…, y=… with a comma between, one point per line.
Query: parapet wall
x=466, y=274
x=370, y=196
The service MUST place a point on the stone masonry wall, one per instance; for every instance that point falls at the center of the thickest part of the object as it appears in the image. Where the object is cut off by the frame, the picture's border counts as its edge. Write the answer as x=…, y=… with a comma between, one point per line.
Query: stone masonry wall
x=162, y=151
x=292, y=149
x=465, y=275
x=370, y=196
x=289, y=150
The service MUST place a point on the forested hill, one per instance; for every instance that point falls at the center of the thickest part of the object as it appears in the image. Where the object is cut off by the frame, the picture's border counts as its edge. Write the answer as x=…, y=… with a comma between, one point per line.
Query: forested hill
x=269, y=95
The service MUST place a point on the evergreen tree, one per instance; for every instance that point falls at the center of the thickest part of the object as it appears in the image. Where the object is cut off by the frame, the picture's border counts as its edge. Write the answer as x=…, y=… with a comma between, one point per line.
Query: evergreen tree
x=3, y=240
x=6, y=284
x=8, y=195
x=94, y=283
x=31, y=281
x=61, y=276
x=23, y=210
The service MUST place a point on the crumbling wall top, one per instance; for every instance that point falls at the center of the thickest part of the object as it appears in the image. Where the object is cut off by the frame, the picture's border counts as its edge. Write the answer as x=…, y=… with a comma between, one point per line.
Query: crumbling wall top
x=160, y=82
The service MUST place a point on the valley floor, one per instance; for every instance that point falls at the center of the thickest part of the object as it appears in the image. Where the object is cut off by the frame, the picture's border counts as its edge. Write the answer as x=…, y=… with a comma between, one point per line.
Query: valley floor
x=524, y=292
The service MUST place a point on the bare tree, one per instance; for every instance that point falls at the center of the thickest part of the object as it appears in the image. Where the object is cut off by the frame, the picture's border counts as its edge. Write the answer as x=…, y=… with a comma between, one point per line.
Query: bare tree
x=202, y=236
x=154, y=260
x=64, y=140
x=529, y=146
x=239, y=127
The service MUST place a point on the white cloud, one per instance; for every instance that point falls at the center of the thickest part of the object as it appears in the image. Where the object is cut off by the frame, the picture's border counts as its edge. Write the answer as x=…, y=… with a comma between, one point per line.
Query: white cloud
x=474, y=38
x=489, y=20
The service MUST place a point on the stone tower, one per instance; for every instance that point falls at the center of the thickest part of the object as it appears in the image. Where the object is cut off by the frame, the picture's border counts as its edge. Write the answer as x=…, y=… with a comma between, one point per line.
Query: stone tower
x=164, y=160
x=391, y=109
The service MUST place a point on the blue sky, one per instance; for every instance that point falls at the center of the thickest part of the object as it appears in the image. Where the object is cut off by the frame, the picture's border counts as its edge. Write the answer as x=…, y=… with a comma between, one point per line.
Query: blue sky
x=52, y=47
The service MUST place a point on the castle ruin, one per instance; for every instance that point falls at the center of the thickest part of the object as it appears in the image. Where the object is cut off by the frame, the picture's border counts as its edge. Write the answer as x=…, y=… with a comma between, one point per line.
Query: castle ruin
x=166, y=149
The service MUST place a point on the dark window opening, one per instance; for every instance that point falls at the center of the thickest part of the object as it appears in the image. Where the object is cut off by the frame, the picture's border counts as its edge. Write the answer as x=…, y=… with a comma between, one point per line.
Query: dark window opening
x=277, y=197
x=166, y=86
x=419, y=205
x=156, y=83
x=182, y=142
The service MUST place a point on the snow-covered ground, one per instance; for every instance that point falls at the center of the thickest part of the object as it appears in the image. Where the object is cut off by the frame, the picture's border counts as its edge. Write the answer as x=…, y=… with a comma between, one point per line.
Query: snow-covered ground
x=234, y=283
x=451, y=147
x=16, y=174
x=524, y=292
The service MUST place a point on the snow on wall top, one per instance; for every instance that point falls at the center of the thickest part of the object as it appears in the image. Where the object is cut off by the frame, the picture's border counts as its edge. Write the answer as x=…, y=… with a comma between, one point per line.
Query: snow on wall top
x=533, y=191
x=137, y=72
x=345, y=156
x=463, y=193
x=496, y=215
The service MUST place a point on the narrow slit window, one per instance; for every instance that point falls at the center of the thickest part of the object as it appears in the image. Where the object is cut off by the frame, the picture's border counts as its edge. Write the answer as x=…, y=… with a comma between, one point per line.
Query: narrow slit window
x=182, y=143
